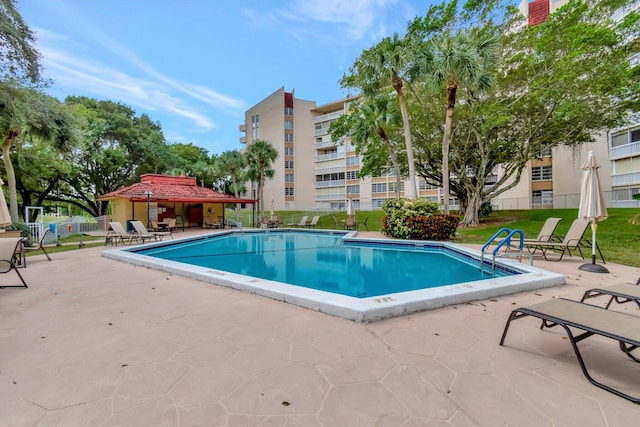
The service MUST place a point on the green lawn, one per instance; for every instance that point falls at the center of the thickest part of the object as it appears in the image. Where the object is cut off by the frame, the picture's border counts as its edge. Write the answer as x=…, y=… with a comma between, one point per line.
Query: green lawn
x=618, y=239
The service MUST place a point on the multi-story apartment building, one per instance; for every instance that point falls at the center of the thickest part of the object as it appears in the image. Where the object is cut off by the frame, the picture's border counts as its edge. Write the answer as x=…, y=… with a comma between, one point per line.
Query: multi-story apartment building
x=312, y=171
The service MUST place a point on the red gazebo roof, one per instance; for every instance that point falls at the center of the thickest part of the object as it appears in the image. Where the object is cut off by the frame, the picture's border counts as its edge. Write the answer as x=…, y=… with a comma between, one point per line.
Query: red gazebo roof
x=165, y=188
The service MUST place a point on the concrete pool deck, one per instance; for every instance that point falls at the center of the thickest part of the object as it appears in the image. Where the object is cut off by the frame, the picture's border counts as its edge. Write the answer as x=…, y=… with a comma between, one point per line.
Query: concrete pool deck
x=97, y=342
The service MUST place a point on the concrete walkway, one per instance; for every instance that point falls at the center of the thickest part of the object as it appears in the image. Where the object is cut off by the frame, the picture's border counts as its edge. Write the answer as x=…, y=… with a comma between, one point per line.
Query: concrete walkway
x=96, y=342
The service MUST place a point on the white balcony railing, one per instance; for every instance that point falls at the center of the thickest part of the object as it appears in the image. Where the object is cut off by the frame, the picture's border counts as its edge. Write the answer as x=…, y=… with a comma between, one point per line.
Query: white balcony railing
x=325, y=197
x=334, y=183
x=330, y=156
x=328, y=117
x=625, y=179
x=325, y=171
x=626, y=150
x=323, y=144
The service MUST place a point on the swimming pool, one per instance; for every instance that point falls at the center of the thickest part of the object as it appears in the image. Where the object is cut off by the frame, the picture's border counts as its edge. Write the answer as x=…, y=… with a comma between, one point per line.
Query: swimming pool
x=336, y=273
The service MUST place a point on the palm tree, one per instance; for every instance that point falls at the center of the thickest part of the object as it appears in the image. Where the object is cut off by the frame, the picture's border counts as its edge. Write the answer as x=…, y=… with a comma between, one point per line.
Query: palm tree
x=450, y=61
x=231, y=163
x=378, y=68
x=372, y=118
x=260, y=155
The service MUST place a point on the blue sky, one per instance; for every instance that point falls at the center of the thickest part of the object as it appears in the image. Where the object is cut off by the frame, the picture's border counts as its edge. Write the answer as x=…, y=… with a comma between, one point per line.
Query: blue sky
x=196, y=66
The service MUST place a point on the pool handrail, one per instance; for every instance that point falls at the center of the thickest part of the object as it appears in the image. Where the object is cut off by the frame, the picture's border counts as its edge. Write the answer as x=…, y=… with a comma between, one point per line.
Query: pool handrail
x=494, y=237
x=507, y=241
x=235, y=224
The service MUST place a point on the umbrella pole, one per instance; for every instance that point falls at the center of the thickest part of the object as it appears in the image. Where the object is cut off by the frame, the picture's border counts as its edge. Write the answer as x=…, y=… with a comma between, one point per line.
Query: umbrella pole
x=593, y=267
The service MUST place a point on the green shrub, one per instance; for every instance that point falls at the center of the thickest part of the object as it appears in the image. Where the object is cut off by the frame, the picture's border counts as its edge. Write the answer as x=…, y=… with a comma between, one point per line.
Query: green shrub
x=20, y=226
x=411, y=219
x=485, y=210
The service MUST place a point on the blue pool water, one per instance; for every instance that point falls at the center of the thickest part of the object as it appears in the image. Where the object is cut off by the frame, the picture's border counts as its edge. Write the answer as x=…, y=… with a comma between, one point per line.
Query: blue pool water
x=328, y=262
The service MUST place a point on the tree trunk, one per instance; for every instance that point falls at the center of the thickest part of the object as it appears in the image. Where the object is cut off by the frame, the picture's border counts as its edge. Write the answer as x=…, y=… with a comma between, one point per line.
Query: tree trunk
x=11, y=175
x=446, y=140
x=235, y=190
x=474, y=202
x=396, y=167
x=413, y=192
x=260, y=195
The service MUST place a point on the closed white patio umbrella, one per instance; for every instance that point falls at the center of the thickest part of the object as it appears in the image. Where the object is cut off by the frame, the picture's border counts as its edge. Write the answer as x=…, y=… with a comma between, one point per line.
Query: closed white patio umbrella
x=592, y=207
x=351, y=209
x=5, y=217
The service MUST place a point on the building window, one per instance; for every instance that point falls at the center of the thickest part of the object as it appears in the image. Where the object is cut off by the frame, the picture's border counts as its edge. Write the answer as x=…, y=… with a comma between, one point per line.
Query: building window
x=431, y=199
x=392, y=186
x=288, y=124
x=542, y=198
x=288, y=177
x=288, y=137
x=288, y=151
x=377, y=203
x=288, y=111
x=353, y=160
x=380, y=187
x=288, y=191
x=353, y=189
x=352, y=174
x=255, y=126
x=424, y=186
x=541, y=173
x=545, y=150
x=288, y=164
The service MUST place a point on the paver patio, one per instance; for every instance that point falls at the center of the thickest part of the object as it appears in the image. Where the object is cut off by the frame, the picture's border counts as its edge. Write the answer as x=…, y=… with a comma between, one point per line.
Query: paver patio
x=96, y=342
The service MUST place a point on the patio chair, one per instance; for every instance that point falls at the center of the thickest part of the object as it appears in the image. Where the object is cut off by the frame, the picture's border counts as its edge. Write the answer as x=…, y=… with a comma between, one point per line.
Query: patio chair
x=574, y=240
x=118, y=233
x=350, y=223
x=207, y=222
x=144, y=235
x=547, y=232
x=335, y=222
x=302, y=223
x=40, y=246
x=620, y=293
x=590, y=319
x=9, y=248
x=314, y=221
x=364, y=224
x=171, y=226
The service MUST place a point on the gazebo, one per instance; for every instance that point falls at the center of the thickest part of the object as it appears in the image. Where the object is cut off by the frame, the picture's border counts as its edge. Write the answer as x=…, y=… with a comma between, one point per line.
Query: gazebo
x=161, y=197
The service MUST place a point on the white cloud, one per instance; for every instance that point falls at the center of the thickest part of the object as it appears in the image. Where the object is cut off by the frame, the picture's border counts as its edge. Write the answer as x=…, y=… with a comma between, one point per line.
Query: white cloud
x=359, y=19
x=90, y=77
x=151, y=91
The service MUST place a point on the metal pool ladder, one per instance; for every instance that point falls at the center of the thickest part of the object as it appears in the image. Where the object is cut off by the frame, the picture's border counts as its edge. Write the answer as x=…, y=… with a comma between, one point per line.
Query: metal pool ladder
x=519, y=253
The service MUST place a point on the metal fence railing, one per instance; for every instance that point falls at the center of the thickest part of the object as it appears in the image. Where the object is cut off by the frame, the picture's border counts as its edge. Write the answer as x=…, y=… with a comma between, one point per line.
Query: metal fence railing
x=67, y=227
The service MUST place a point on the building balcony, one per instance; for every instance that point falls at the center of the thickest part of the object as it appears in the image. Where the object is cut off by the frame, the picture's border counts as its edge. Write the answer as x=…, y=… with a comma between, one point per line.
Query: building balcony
x=328, y=117
x=331, y=156
x=322, y=131
x=632, y=178
x=329, y=197
x=324, y=144
x=243, y=127
x=326, y=171
x=627, y=150
x=243, y=140
x=334, y=183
